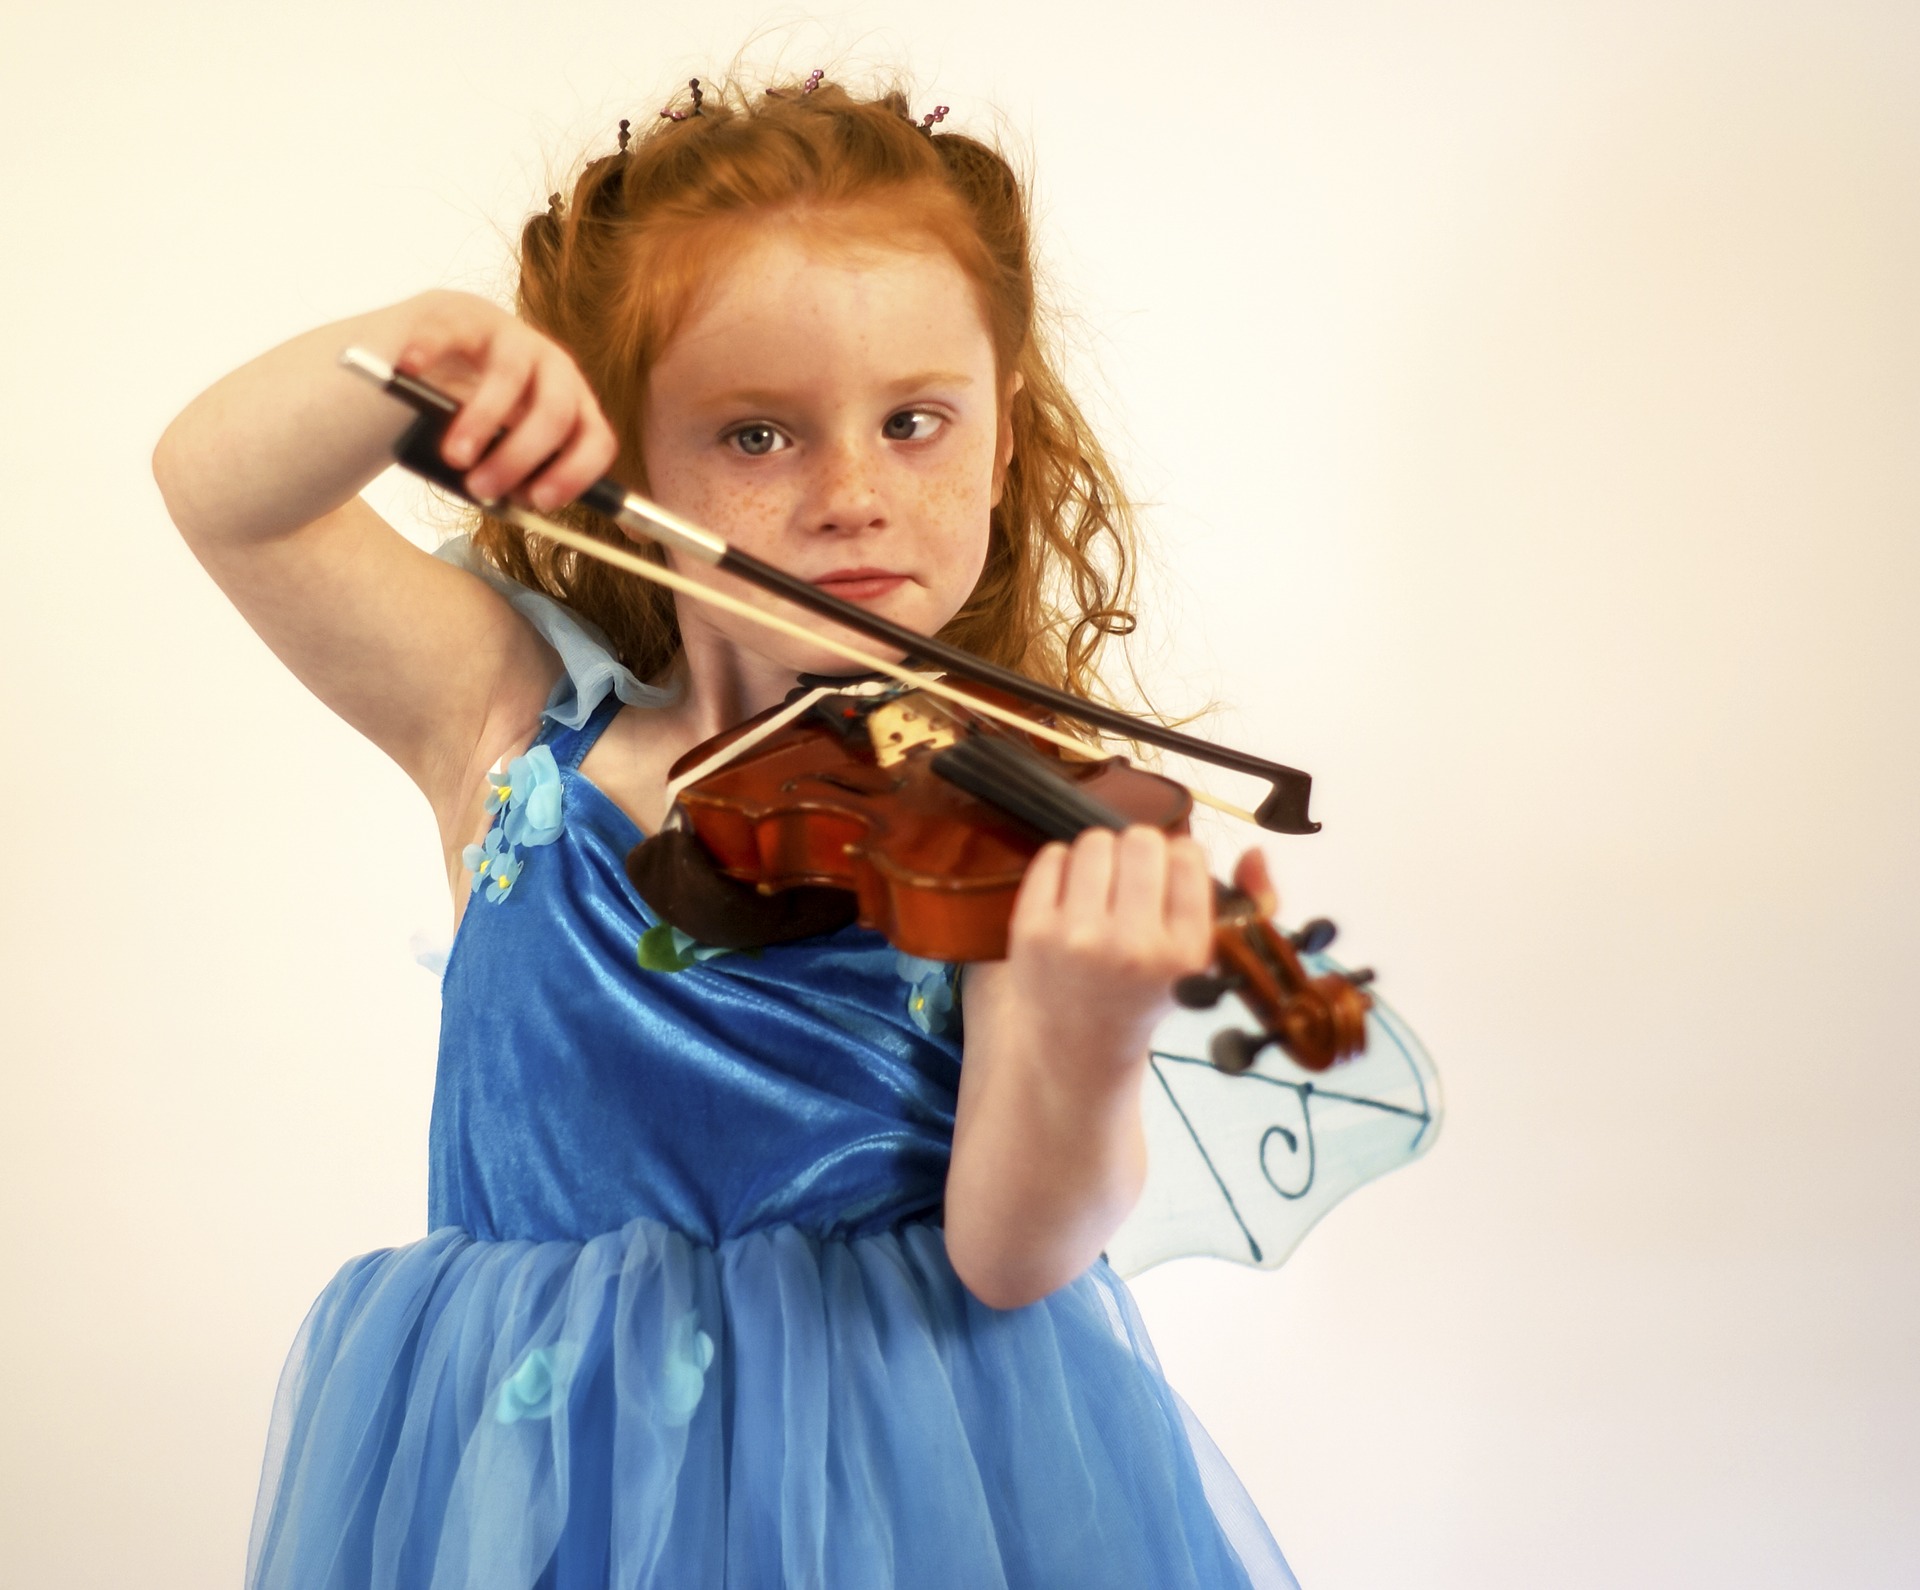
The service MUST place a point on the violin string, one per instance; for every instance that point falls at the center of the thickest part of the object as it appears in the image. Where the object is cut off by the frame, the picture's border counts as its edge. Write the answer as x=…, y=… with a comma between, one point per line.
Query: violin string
x=746, y=742
x=539, y=524
x=1004, y=771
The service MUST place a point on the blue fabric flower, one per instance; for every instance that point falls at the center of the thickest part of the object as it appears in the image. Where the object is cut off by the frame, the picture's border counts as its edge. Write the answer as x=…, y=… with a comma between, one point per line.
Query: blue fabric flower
x=537, y=1384
x=482, y=859
x=930, y=1000
x=531, y=794
x=506, y=870
x=684, y=1375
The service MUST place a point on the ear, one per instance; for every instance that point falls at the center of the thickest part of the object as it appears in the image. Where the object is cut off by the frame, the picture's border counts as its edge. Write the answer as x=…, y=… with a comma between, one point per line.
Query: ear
x=1003, y=445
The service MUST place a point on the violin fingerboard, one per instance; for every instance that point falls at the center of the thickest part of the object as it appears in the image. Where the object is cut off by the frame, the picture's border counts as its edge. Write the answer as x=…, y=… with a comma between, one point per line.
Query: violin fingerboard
x=1024, y=785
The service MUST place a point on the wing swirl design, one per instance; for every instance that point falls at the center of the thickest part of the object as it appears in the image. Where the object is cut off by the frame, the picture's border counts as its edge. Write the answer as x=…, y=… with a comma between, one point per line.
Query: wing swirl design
x=1242, y=1167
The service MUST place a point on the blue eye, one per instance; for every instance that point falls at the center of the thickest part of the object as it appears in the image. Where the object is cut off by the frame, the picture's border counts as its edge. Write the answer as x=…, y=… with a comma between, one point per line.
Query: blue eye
x=758, y=440
x=911, y=425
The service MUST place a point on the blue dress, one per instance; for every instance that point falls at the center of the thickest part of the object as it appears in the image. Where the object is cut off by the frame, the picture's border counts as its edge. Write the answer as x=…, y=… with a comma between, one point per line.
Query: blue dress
x=684, y=1315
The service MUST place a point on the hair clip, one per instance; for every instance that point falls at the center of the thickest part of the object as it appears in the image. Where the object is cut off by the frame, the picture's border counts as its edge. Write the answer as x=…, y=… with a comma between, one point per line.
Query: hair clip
x=553, y=205
x=813, y=81
x=625, y=136
x=938, y=113
x=681, y=115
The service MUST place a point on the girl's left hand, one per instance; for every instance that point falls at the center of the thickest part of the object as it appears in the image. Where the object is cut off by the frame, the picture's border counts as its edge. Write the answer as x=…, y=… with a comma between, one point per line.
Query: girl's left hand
x=1100, y=932
x=1049, y=1151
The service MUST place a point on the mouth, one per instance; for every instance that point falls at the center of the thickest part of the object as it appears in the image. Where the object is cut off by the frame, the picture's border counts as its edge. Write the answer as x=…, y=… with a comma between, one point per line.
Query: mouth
x=860, y=585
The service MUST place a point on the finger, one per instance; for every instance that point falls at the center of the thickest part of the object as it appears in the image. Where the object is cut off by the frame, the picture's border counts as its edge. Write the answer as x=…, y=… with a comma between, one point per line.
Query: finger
x=446, y=350
x=1140, y=879
x=1251, y=878
x=1190, y=902
x=531, y=440
x=1039, y=896
x=509, y=369
x=452, y=352
x=587, y=456
x=1087, y=895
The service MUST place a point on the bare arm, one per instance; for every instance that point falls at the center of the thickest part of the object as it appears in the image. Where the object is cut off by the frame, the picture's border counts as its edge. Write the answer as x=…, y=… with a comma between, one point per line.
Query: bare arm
x=1049, y=1153
x=262, y=473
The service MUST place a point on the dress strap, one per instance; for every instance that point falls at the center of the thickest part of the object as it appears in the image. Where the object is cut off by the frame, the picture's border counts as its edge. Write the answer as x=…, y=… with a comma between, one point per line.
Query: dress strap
x=570, y=746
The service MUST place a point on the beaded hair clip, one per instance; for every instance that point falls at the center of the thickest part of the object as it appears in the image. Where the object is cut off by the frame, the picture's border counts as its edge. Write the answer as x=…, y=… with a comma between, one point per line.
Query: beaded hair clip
x=926, y=123
x=670, y=114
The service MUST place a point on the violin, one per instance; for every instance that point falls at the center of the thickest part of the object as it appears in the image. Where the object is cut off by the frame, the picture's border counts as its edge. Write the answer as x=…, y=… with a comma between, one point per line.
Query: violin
x=912, y=806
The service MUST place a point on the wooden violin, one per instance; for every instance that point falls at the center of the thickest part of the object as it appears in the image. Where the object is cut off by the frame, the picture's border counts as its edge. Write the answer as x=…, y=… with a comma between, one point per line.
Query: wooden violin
x=910, y=805
x=876, y=802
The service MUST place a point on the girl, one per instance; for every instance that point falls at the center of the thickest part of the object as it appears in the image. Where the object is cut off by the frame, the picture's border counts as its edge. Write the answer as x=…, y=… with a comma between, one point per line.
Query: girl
x=743, y=1269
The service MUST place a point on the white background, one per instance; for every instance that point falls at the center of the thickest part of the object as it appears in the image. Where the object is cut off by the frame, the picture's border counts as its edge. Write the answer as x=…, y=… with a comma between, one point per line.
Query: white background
x=1526, y=397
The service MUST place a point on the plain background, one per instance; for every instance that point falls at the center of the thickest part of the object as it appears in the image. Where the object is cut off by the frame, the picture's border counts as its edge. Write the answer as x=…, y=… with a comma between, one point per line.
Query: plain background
x=1526, y=400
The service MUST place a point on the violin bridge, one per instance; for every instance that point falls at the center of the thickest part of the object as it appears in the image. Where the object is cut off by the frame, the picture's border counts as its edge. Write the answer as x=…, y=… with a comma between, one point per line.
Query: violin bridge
x=904, y=724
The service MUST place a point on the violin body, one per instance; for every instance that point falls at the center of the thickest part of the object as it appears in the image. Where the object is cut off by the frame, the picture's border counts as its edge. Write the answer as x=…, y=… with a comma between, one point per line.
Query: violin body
x=835, y=800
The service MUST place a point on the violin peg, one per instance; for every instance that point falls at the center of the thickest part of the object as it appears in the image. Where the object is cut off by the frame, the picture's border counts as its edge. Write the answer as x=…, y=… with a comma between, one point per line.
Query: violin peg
x=1361, y=978
x=1234, y=1051
x=1202, y=990
x=1314, y=937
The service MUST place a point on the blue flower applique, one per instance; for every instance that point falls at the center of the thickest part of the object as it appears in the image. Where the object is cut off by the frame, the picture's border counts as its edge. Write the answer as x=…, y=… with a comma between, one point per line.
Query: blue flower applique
x=506, y=871
x=481, y=859
x=664, y=948
x=930, y=993
x=529, y=793
x=684, y=1374
x=538, y=1383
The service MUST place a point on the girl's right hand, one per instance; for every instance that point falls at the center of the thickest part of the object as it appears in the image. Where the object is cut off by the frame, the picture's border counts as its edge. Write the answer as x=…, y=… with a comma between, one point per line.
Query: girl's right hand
x=517, y=385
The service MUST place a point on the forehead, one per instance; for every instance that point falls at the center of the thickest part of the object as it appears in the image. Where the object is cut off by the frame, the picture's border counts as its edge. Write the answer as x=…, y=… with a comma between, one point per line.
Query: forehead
x=801, y=306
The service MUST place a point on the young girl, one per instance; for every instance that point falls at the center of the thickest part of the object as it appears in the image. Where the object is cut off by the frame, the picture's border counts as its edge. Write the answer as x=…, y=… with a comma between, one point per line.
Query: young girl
x=743, y=1269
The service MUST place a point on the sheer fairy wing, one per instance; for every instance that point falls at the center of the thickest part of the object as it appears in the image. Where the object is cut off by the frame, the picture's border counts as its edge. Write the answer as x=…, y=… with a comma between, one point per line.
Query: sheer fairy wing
x=1241, y=1167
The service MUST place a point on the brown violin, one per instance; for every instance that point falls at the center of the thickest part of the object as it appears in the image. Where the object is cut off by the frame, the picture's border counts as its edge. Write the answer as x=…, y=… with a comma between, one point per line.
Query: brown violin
x=876, y=802
x=911, y=805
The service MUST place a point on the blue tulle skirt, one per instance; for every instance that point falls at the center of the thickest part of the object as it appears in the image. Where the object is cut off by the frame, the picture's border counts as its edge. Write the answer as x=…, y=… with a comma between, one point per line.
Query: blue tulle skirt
x=782, y=1410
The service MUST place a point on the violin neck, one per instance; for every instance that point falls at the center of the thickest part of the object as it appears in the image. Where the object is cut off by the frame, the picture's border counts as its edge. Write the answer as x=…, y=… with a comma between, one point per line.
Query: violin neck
x=1007, y=775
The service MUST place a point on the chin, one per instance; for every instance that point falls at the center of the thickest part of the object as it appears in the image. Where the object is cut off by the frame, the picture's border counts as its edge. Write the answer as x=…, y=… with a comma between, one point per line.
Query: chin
x=832, y=665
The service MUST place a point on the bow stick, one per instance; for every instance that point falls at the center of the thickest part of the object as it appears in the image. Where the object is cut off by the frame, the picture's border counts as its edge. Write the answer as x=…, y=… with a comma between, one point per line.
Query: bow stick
x=1283, y=811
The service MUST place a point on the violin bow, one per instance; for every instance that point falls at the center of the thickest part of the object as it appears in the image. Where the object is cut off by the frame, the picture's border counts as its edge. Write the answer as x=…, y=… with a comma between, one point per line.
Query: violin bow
x=1283, y=811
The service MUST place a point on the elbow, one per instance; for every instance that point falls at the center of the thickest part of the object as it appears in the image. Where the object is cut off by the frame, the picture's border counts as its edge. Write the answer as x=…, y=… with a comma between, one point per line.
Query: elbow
x=1002, y=1293
x=184, y=472
x=999, y=1283
x=167, y=475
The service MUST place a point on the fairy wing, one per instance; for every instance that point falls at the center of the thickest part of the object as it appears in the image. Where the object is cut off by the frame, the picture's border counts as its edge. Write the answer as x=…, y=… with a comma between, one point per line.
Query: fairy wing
x=1242, y=1167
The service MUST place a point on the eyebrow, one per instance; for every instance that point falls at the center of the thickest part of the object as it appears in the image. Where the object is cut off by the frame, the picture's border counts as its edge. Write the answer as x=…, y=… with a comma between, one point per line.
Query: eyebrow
x=758, y=397
x=928, y=378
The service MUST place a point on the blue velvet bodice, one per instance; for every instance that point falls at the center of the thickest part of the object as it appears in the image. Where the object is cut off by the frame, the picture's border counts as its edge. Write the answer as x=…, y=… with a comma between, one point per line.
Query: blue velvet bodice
x=809, y=1084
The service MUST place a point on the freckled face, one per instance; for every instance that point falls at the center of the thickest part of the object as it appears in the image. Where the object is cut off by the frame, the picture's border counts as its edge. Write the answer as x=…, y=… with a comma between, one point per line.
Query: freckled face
x=833, y=411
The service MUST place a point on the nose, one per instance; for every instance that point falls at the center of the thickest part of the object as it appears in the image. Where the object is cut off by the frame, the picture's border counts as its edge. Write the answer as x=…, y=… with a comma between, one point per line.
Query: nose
x=847, y=497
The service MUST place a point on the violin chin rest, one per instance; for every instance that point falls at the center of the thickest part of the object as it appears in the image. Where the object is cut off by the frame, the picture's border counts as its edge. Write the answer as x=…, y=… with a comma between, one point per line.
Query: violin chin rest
x=680, y=883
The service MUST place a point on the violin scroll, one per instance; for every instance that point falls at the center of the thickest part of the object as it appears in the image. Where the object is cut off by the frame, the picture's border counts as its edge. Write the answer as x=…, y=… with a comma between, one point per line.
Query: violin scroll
x=1316, y=1020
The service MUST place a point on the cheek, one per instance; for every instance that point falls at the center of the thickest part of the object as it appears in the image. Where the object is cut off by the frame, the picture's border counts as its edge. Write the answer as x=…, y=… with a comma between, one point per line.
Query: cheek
x=959, y=500
x=747, y=511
